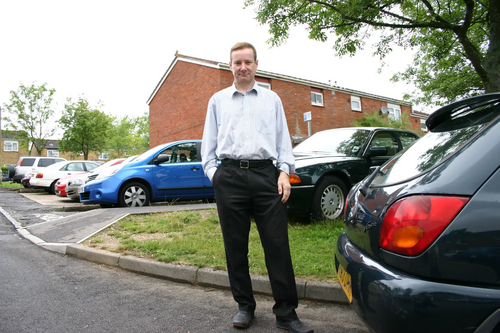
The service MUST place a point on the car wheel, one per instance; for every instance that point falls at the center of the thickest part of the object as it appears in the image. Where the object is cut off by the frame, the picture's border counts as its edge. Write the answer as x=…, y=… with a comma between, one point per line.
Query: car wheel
x=52, y=189
x=134, y=195
x=329, y=198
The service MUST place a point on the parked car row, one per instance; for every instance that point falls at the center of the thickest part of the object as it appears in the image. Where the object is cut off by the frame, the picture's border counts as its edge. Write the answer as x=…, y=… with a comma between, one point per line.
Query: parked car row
x=47, y=177
x=421, y=246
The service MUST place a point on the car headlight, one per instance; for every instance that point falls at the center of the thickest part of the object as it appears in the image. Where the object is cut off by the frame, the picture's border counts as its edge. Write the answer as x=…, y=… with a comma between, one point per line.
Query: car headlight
x=76, y=182
x=108, y=172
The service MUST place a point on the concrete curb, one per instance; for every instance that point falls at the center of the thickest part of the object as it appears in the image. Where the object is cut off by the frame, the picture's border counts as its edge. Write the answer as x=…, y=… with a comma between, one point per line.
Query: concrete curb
x=307, y=290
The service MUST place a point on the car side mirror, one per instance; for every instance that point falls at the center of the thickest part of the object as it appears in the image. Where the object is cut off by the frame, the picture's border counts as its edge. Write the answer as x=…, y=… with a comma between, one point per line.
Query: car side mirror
x=377, y=151
x=161, y=159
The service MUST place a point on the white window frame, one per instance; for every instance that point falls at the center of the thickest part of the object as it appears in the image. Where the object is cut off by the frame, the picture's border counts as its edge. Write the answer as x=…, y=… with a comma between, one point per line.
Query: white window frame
x=423, y=127
x=52, y=153
x=10, y=146
x=394, y=111
x=264, y=85
x=314, y=98
x=355, y=103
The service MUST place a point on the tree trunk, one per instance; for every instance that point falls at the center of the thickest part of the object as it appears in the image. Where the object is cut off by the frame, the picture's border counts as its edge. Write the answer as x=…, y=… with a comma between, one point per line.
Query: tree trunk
x=492, y=58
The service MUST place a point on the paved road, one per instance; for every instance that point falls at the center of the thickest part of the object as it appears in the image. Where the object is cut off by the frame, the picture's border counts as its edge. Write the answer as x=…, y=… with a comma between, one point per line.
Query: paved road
x=42, y=291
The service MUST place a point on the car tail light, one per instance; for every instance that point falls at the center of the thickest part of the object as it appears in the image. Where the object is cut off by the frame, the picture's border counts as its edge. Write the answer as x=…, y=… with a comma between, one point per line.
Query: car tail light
x=39, y=175
x=294, y=179
x=412, y=224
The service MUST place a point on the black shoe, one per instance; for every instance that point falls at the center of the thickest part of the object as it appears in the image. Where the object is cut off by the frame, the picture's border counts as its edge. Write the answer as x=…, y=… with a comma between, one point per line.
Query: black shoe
x=294, y=326
x=243, y=319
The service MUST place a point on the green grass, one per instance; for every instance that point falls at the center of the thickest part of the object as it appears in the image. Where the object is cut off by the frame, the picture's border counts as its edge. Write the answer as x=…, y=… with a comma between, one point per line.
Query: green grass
x=195, y=238
x=10, y=185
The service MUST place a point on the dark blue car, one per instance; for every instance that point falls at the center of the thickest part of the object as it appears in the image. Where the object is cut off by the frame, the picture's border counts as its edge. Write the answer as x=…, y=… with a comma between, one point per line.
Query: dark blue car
x=421, y=247
x=168, y=172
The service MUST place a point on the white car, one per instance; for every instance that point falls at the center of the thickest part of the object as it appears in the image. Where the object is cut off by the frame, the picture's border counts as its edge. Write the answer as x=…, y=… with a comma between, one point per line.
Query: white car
x=47, y=177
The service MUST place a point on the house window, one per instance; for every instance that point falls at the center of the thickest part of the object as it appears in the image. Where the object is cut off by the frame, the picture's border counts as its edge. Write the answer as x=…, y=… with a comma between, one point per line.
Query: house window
x=263, y=82
x=355, y=103
x=423, y=127
x=394, y=111
x=316, y=97
x=52, y=153
x=10, y=146
x=103, y=156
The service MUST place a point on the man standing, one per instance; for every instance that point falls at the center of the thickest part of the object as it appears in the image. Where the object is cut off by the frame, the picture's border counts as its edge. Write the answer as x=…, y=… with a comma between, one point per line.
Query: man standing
x=246, y=130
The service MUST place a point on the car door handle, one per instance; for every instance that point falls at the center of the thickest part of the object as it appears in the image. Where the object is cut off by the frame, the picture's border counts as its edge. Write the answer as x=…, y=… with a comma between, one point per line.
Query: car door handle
x=195, y=168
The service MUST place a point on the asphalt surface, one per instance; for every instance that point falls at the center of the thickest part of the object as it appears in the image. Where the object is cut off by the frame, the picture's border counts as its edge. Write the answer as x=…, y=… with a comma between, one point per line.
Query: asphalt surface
x=61, y=225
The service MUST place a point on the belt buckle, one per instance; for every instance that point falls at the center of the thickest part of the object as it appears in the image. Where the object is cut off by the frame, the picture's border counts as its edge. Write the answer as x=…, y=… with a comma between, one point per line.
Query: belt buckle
x=244, y=164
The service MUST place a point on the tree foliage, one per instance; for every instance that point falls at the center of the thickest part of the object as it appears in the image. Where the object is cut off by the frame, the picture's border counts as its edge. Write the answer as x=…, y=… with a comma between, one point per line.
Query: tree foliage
x=376, y=119
x=86, y=129
x=129, y=135
x=30, y=110
x=142, y=132
x=457, y=42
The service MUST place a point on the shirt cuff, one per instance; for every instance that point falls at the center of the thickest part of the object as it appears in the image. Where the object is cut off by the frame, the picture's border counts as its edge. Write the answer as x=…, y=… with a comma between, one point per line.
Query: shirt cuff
x=285, y=168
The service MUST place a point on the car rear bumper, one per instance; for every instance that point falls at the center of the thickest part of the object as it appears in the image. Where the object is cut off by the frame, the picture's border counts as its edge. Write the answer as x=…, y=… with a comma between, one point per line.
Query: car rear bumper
x=300, y=199
x=391, y=301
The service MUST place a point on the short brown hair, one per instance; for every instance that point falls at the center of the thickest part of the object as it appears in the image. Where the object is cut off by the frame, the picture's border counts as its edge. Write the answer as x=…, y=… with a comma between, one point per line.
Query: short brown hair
x=241, y=46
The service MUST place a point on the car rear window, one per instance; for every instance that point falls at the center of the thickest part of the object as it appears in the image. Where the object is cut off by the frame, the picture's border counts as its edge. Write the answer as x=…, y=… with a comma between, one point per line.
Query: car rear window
x=435, y=146
x=45, y=162
x=27, y=162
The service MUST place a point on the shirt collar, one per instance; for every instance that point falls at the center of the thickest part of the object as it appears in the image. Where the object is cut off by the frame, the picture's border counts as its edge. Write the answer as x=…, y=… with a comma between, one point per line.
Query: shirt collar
x=255, y=88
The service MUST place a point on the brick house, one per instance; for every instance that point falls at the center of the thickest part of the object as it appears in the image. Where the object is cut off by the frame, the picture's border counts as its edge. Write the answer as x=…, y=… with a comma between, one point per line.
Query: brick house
x=178, y=104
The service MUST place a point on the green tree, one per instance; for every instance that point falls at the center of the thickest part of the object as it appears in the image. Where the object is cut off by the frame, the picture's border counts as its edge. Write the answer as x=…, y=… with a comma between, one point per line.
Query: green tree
x=141, y=142
x=376, y=119
x=457, y=42
x=30, y=111
x=86, y=129
x=121, y=137
x=130, y=135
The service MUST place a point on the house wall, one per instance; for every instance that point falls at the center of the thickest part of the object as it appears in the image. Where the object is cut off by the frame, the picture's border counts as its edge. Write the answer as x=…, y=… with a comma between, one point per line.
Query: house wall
x=178, y=109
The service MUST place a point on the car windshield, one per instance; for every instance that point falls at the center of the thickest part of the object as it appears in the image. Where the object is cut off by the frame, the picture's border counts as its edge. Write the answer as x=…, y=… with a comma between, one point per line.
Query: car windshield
x=433, y=148
x=343, y=142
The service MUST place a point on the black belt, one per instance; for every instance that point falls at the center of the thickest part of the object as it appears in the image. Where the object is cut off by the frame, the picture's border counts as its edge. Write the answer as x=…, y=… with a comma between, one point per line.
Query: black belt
x=245, y=164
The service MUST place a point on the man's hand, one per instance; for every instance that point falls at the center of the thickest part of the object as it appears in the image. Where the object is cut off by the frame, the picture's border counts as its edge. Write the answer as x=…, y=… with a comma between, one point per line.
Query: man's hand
x=284, y=186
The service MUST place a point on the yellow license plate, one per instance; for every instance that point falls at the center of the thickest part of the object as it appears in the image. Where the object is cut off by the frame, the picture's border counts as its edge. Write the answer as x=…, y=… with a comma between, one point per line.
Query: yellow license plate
x=345, y=282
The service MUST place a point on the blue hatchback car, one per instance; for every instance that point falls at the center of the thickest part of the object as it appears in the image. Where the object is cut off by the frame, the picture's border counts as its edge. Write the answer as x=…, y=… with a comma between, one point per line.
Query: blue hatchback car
x=171, y=171
x=421, y=246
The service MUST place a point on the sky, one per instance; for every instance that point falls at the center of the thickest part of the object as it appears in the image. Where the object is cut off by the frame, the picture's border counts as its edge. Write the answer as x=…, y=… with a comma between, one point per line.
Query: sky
x=115, y=52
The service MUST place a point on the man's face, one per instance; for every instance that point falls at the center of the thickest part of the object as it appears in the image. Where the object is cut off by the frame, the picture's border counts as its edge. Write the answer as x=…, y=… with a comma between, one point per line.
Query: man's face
x=243, y=66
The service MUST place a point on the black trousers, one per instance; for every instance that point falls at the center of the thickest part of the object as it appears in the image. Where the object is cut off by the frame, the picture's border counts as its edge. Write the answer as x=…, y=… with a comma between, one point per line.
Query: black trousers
x=240, y=194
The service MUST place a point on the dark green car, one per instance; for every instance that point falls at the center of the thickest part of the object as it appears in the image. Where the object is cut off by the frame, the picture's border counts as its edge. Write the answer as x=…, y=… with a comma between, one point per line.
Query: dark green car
x=330, y=162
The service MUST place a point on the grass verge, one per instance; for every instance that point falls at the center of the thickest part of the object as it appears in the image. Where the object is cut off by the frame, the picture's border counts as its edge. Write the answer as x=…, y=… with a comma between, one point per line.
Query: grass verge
x=10, y=185
x=194, y=238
